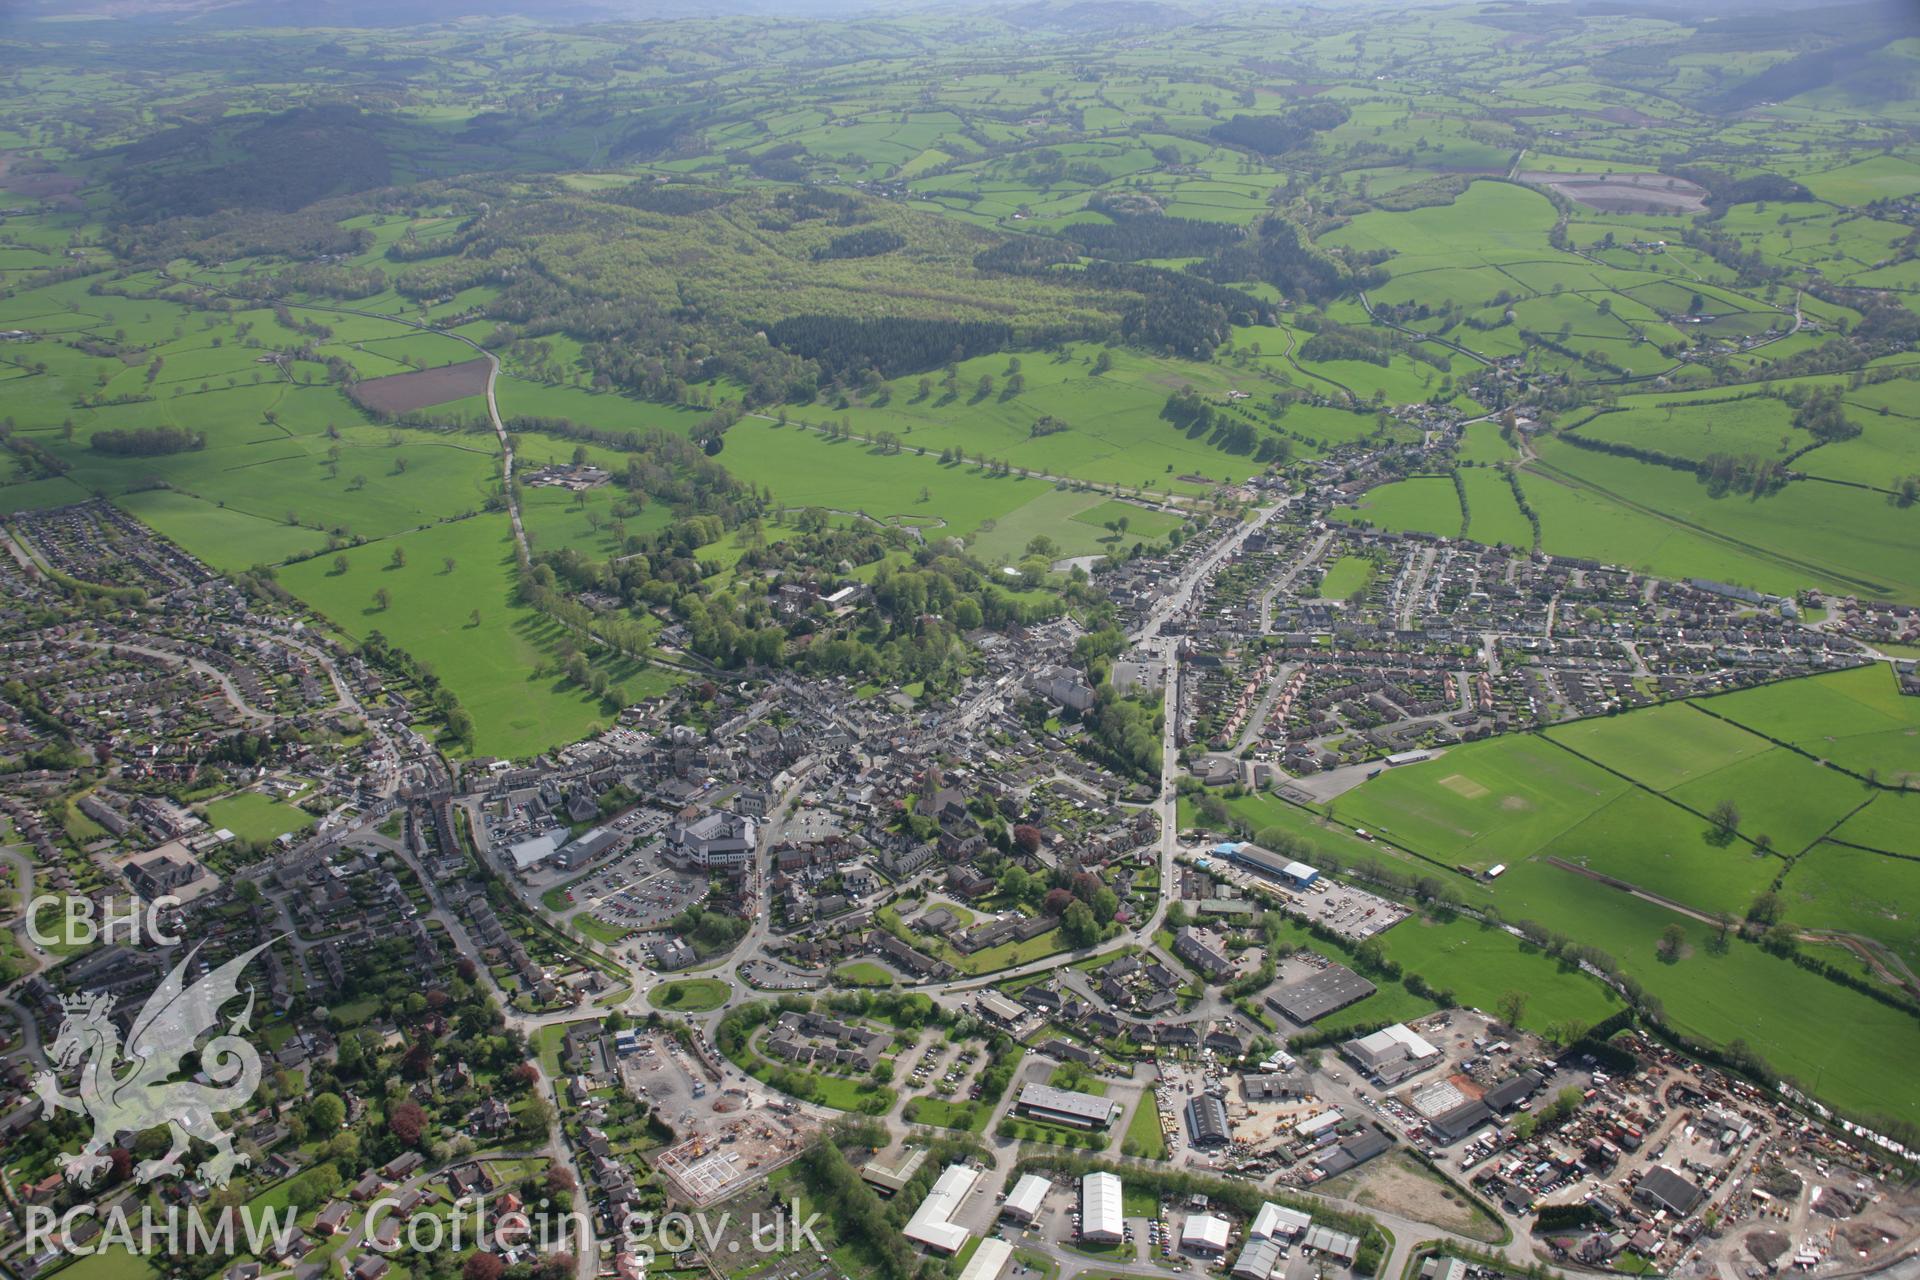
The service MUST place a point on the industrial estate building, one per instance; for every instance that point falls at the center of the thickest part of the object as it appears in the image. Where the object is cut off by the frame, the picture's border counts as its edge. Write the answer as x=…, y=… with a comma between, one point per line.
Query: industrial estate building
x=1328, y=991
x=1065, y=1106
x=1207, y=1121
x=1204, y=1233
x=1663, y=1188
x=988, y=1261
x=1268, y=863
x=1391, y=1053
x=1100, y=1217
x=1023, y=1202
x=889, y=1176
x=932, y=1223
x=1278, y=1221
x=1334, y=1244
x=1258, y=1260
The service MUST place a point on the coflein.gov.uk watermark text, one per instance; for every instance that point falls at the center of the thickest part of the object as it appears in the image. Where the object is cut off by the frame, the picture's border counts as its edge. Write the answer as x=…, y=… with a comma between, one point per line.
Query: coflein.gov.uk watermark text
x=269, y=1231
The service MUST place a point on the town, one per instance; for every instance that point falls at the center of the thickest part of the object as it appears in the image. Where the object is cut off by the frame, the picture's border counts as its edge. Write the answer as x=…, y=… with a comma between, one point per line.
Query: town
x=970, y=967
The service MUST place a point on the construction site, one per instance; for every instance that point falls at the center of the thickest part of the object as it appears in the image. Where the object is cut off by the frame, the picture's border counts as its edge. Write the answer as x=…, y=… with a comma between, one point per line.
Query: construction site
x=732, y=1149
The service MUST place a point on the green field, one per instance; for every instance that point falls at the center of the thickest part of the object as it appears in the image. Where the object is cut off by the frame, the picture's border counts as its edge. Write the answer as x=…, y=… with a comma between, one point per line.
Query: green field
x=1493, y=801
x=1660, y=747
x=944, y=1114
x=1890, y=824
x=1850, y=890
x=504, y=668
x=256, y=817
x=1423, y=503
x=1810, y=1028
x=114, y=1263
x=1663, y=849
x=1667, y=522
x=1479, y=963
x=1857, y=719
x=1345, y=577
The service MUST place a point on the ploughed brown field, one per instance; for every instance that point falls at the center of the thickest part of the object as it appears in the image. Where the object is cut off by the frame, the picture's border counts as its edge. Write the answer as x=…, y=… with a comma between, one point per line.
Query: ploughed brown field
x=1624, y=192
x=405, y=392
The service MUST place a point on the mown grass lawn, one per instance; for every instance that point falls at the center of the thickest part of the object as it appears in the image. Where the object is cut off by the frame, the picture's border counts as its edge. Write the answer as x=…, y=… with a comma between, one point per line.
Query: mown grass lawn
x=864, y=973
x=689, y=995
x=257, y=817
x=939, y=1112
x=1144, y=1137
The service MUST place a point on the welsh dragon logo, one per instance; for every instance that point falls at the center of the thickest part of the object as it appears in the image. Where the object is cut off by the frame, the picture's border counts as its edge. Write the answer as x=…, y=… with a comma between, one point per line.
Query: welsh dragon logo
x=127, y=1088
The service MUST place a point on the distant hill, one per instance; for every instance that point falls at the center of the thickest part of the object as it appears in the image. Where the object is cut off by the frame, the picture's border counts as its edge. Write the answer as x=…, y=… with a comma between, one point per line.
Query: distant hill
x=407, y=13
x=1095, y=15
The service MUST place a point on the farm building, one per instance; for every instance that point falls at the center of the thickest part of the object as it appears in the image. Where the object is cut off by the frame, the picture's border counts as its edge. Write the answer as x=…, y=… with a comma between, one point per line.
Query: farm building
x=1100, y=1218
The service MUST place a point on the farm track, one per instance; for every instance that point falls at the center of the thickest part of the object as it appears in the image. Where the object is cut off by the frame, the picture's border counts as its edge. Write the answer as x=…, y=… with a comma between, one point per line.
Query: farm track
x=522, y=549
x=1417, y=336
